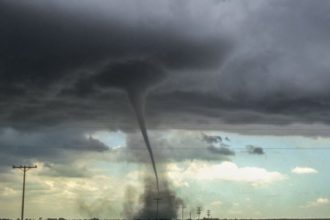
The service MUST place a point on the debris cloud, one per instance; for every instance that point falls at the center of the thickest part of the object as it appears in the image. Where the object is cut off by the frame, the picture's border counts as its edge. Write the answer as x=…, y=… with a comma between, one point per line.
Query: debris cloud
x=168, y=203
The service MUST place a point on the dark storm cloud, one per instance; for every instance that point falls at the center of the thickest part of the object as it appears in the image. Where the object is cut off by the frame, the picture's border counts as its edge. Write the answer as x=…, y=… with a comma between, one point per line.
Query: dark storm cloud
x=221, y=150
x=255, y=150
x=255, y=62
x=52, y=52
x=212, y=139
x=53, y=146
x=216, y=145
x=42, y=41
x=276, y=110
x=131, y=75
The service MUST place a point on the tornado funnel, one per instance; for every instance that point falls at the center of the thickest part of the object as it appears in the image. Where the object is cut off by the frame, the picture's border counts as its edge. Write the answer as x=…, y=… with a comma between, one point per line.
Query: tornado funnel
x=137, y=101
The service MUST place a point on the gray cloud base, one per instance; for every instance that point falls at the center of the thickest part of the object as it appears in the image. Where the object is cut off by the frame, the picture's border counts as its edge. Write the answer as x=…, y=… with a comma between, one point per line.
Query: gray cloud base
x=276, y=71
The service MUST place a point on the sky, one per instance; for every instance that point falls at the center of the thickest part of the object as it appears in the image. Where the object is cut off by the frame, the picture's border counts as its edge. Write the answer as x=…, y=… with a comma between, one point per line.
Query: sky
x=234, y=95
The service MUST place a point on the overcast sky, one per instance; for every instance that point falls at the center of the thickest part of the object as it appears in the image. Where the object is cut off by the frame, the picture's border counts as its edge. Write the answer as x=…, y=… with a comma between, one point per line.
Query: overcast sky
x=236, y=97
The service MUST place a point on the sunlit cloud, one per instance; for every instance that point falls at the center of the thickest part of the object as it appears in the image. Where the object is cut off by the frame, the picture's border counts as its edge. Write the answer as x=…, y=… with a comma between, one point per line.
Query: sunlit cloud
x=226, y=171
x=216, y=204
x=7, y=192
x=319, y=202
x=304, y=170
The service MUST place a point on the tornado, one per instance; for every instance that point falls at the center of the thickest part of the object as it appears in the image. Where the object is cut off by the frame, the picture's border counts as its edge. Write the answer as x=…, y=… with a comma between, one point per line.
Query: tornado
x=138, y=102
x=137, y=77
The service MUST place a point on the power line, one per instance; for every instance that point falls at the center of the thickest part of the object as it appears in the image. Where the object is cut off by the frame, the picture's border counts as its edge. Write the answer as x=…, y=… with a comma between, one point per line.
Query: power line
x=116, y=123
x=230, y=148
x=116, y=148
x=24, y=169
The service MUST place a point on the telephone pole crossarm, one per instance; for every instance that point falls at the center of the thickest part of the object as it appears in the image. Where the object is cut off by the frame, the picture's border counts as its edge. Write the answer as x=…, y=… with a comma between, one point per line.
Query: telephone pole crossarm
x=24, y=168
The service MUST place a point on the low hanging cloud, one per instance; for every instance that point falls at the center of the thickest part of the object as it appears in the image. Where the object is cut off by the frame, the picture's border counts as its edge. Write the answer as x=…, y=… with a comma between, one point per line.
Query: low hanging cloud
x=255, y=150
x=221, y=150
x=212, y=139
x=319, y=202
x=304, y=170
x=52, y=146
x=216, y=144
x=170, y=146
x=225, y=171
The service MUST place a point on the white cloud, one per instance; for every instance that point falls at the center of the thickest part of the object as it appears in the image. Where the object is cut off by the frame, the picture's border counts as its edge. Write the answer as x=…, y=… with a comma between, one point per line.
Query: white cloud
x=8, y=191
x=216, y=204
x=322, y=201
x=304, y=170
x=227, y=171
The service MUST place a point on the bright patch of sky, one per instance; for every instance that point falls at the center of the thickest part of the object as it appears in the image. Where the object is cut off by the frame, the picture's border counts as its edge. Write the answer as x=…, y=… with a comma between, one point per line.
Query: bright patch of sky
x=113, y=140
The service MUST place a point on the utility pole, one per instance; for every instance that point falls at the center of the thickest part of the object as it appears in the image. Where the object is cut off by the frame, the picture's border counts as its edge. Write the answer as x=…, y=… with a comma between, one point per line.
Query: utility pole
x=199, y=211
x=157, y=201
x=208, y=213
x=24, y=169
x=182, y=208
